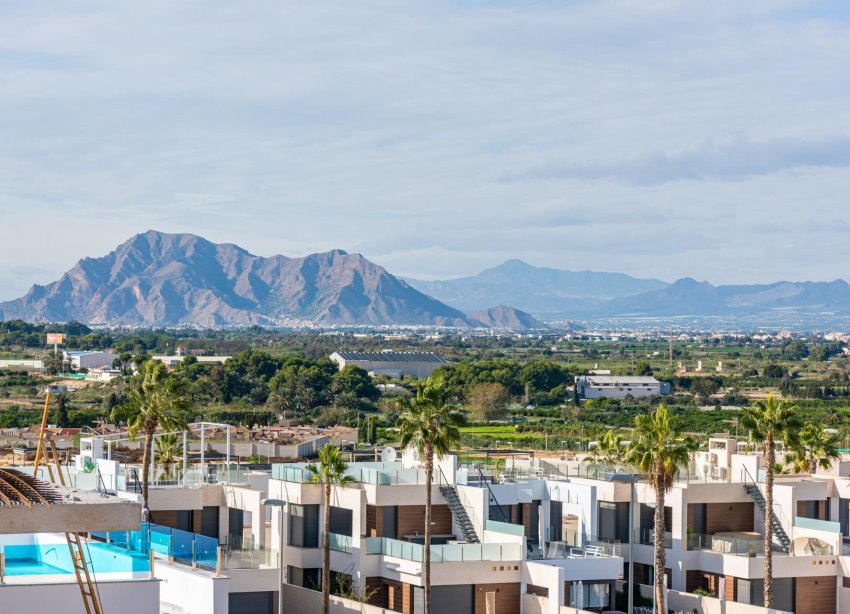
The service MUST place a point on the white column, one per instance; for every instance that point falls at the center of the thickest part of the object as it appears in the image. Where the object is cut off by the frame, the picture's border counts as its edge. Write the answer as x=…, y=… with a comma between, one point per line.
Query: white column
x=185, y=455
x=203, y=450
x=228, y=454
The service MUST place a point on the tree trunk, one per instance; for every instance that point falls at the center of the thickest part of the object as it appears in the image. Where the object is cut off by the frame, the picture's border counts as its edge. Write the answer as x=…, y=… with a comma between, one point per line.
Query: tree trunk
x=326, y=553
x=769, y=459
x=146, y=471
x=426, y=554
x=660, y=553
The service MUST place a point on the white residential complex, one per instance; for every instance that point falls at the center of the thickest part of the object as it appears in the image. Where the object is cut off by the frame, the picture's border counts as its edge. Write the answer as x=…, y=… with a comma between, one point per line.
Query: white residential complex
x=542, y=537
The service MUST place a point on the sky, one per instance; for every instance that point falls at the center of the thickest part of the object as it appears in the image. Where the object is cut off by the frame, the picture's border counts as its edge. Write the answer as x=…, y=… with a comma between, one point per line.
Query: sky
x=658, y=138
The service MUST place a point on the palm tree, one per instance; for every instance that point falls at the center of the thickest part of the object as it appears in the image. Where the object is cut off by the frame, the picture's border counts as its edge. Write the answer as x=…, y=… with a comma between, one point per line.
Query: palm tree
x=658, y=449
x=770, y=421
x=432, y=427
x=609, y=450
x=167, y=449
x=817, y=448
x=155, y=400
x=328, y=472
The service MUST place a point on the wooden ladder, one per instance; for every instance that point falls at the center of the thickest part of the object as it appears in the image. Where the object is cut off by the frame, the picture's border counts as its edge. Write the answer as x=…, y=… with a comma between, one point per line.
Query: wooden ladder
x=88, y=588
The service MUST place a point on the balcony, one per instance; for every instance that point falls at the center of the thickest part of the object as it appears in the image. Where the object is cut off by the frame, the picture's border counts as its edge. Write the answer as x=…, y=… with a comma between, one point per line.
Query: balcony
x=449, y=553
x=340, y=543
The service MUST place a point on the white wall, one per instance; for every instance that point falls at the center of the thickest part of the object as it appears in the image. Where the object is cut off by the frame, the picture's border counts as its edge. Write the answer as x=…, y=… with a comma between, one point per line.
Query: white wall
x=193, y=590
x=136, y=597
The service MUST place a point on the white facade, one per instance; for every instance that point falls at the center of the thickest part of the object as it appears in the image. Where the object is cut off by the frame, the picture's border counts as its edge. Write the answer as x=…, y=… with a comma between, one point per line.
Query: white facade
x=393, y=364
x=91, y=360
x=618, y=387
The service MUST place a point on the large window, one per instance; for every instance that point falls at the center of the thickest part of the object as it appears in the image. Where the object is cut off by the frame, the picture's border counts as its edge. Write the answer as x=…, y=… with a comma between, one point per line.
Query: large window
x=594, y=595
x=341, y=522
x=614, y=521
x=304, y=526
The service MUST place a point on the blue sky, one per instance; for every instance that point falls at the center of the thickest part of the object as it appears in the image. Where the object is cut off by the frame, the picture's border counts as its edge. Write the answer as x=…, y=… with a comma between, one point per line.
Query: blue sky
x=657, y=138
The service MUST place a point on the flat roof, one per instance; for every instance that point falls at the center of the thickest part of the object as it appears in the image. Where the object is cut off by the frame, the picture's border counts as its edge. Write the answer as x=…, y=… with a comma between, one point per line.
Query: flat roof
x=392, y=356
x=621, y=379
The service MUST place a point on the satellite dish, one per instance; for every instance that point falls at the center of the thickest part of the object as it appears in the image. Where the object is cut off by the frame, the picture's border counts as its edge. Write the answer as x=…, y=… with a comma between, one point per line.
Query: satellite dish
x=388, y=455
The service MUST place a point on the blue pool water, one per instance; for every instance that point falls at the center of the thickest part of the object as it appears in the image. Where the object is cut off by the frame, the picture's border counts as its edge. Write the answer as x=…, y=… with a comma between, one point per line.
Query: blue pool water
x=50, y=559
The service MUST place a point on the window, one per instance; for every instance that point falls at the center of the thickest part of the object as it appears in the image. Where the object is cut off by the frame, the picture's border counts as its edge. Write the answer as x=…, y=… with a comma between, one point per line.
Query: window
x=304, y=526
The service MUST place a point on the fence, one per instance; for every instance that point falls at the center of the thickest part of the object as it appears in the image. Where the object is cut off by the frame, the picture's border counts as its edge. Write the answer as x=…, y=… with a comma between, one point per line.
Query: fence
x=182, y=546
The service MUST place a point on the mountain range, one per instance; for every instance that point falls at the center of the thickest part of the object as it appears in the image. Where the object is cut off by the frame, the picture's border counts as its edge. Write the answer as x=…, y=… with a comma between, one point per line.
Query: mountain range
x=157, y=279
x=538, y=290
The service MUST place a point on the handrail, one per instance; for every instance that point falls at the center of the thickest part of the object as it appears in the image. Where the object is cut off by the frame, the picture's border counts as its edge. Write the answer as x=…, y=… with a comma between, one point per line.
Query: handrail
x=491, y=494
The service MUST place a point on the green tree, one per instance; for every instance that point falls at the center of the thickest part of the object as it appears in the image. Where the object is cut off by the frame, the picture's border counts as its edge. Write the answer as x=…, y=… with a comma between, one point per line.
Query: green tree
x=60, y=415
x=816, y=447
x=488, y=401
x=609, y=450
x=354, y=380
x=169, y=450
x=642, y=367
x=770, y=421
x=432, y=427
x=154, y=400
x=372, y=430
x=658, y=449
x=329, y=472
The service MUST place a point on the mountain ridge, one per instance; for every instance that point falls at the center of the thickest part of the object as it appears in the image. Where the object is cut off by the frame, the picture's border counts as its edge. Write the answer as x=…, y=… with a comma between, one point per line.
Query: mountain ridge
x=164, y=279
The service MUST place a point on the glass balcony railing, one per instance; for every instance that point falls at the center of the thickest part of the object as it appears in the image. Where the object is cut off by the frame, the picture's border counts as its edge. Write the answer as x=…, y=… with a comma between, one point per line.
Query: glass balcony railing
x=731, y=543
x=448, y=553
x=647, y=537
x=181, y=546
x=340, y=543
x=578, y=548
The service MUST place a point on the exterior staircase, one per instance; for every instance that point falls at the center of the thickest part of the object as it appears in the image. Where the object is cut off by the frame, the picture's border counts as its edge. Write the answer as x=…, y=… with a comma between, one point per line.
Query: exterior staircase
x=779, y=533
x=462, y=520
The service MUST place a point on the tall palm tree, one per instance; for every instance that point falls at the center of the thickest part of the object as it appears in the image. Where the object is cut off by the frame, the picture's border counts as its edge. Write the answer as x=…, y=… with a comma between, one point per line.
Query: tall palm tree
x=817, y=447
x=329, y=471
x=770, y=421
x=659, y=449
x=432, y=427
x=154, y=400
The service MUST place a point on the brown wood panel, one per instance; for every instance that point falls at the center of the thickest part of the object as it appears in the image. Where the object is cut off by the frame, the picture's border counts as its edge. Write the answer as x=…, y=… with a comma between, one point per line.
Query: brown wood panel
x=374, y=591
x=723, y=517
x=374, y=521
x=507, y=597
x=393, y=595
x=690, y=520
x=167, y=518
x=730, y=588
x=411, y=520
x=407, y=599
x=816, y=595
x=196, y=521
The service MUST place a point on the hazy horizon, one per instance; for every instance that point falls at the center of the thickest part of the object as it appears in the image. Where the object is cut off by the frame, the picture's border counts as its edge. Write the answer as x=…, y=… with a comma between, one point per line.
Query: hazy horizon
x=659, y=139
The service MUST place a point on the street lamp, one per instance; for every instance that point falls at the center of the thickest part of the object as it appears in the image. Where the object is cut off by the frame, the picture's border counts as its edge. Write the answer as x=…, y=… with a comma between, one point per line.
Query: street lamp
x=281, y=504
x=631, y=480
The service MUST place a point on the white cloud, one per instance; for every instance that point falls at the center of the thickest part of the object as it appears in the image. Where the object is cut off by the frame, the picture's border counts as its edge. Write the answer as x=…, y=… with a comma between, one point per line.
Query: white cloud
x=658, y=138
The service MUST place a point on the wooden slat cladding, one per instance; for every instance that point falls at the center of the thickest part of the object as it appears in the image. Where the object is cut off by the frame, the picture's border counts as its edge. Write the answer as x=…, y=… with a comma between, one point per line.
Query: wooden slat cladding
x=411, y=520
x=526, y=518
x=374, y=591
x=726, y=517
x=507, y=597
x=374, y=521
x=816, y=595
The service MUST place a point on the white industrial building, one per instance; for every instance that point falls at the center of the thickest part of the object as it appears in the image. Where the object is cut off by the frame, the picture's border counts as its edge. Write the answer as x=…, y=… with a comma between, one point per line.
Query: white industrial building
x=91, y=360
x=619, y=386
x=394, y=364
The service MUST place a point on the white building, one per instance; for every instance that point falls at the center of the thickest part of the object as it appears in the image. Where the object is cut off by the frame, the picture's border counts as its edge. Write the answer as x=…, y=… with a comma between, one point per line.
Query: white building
x=619, y=386
x=91, y=360
x=394, y=364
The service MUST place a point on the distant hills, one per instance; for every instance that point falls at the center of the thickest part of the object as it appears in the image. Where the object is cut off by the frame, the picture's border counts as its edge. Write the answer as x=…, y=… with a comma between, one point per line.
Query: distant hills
x=549, y=294
x=505, y=317
x=538, y=290
x=690, y=297
x=159, y=279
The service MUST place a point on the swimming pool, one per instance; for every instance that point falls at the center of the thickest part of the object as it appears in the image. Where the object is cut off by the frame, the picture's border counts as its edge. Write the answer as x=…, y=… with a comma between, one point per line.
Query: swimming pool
x=55, y=559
